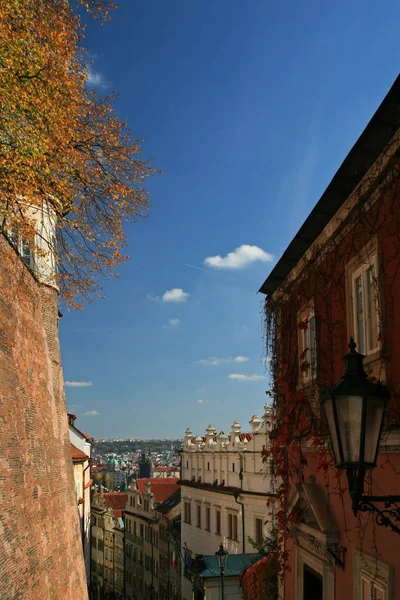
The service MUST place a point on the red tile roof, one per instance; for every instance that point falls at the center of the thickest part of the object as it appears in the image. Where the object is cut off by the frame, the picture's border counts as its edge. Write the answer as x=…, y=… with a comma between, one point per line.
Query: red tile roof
x=161, y=488
x=78, y=455
x=164, y=469
x=116, y=500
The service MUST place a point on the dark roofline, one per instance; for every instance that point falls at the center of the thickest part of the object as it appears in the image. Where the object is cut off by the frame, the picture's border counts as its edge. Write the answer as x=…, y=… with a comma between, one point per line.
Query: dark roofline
x=170, y=502
x=361, y=157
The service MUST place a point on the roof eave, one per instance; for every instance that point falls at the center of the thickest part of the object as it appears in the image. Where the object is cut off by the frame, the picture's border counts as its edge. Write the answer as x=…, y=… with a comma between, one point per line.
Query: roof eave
x=371, y=143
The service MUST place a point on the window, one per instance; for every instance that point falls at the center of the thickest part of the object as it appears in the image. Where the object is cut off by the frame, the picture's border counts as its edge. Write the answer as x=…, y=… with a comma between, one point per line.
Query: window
x=187, y=517
x=198, y=510
x=208, y=466
x=208, y=518
x=218, y=521
x=134, y=528
x=233, y=467
x=365, y=307
x=22, y=248
x=187, y=464
x=146, y=505
x=307, y=346
x=370, y=590
x=373, y=579
x=142, y=531
x=232, y=526
x=259, y=531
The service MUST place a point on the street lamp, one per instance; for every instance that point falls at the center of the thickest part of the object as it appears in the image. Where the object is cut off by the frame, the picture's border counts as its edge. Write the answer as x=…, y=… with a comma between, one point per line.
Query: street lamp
x=222, y=556
x=355, y=410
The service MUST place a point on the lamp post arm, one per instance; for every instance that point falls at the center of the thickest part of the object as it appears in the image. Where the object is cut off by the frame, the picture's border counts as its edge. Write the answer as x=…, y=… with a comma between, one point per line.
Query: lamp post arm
x=389, y=516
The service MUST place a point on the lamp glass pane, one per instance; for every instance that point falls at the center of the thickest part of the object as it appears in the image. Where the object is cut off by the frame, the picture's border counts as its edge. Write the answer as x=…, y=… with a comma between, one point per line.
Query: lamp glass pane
x=349, y=413
x=328, y=407
x=375, y=410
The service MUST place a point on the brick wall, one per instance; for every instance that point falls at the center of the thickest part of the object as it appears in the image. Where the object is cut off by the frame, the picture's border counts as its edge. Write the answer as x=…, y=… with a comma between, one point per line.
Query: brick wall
x=40, y=547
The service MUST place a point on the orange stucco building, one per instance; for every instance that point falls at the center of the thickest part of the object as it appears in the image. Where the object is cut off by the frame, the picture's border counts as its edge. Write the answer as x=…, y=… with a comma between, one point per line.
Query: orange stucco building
x=340, y=277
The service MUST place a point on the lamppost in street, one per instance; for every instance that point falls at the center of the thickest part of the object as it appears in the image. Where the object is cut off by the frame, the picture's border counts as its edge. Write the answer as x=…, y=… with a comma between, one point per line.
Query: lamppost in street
x=222, y=556
x=355, y=410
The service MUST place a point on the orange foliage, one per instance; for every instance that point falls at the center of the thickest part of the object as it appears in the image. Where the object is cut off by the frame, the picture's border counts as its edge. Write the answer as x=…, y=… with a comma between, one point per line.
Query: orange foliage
x=61, y=142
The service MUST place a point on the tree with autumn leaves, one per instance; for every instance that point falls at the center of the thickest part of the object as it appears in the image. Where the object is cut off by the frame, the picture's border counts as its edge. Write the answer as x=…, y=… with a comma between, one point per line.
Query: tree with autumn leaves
x=63, y=145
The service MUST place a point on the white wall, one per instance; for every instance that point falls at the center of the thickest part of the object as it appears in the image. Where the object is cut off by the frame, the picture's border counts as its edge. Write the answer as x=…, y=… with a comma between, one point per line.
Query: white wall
x=209, y=460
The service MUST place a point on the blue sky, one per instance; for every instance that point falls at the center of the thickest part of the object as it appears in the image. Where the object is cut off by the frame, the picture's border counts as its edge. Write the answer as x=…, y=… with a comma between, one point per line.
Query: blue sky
x=249, y=108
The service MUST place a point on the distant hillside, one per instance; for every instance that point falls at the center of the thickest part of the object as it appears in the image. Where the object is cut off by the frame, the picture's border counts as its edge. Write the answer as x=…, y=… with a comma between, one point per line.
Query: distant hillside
x=121, y=447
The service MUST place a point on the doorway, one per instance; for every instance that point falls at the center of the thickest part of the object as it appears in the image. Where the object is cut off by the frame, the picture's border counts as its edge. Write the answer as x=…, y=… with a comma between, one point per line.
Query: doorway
x=312, y=584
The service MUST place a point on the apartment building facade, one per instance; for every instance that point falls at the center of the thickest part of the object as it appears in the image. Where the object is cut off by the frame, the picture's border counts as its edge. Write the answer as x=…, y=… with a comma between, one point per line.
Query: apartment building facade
x=339, y=280
x=224, y=486
x=142, y=553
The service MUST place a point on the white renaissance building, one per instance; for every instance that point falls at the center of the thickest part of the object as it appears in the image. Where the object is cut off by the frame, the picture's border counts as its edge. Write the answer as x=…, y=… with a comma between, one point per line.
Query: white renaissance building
x=225, y=486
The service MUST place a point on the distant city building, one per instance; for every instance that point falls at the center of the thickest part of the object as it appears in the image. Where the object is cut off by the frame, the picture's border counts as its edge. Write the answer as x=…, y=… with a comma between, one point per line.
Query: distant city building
x=166, y=472
x=107, y=543
x=142, y=557
x=224, y=493
x=145, y=467
x=168, y=515
x=81, y=444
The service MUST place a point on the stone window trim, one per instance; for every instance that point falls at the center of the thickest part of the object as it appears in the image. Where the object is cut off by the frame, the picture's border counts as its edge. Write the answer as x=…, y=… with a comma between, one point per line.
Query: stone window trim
x=369, y=255
x=218, y=520
x=307, y=344
x=233, y=520
x=320, y=566
x=258, y=529
x=198, y=514
x=371, y=569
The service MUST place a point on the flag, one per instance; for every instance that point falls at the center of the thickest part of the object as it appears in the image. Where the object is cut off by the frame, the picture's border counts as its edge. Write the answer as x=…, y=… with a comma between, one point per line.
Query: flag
x=174, y=559
x=187, y=563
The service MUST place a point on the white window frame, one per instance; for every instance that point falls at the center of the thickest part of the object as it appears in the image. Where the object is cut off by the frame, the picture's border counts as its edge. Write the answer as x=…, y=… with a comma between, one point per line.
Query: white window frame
x=22, y=248
x=218, y=526
x=207, y=513
x=198, y=515
x=305, y=346
x=377, y=573
x=362, y=271
x=258, y=541
x=187, y=512
x=233, y=522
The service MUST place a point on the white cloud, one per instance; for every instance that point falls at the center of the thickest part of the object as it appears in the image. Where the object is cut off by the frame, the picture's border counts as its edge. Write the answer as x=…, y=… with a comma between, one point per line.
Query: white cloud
x=202, y=401
x=78, y=384
x=240, y=359
x=90, y=413
x=243, y=377
x=238, y=259
x=175, y=295
x=213, y=361
x=174, y=322
x=96, y=80
x=152, y=297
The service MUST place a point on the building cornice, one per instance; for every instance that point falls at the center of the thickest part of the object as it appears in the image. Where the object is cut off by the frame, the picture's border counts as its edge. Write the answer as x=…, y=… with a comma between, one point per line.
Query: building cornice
x=229, y=490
